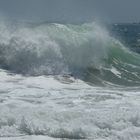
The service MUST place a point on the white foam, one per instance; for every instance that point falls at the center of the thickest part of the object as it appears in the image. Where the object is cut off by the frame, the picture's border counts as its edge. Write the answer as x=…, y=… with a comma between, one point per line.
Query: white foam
x=46, y=108
x=116, y=72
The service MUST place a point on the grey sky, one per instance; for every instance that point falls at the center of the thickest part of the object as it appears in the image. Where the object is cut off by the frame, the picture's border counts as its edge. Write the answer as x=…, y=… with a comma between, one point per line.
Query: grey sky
x=72, y=10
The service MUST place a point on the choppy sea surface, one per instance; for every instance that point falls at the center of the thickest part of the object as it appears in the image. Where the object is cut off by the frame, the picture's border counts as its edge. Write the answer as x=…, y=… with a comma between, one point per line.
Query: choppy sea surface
x=64, y=81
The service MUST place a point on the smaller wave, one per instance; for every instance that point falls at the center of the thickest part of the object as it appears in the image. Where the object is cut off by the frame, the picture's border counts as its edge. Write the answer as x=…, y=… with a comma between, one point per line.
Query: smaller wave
x=29, y=129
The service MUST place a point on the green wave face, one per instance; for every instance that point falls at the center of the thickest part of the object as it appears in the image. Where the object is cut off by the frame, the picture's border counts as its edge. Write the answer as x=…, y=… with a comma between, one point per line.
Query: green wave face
x=85, y=51
x=122, y=67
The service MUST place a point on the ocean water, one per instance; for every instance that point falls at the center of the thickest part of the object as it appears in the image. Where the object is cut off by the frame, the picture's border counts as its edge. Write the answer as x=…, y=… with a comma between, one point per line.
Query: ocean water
x=64, y=81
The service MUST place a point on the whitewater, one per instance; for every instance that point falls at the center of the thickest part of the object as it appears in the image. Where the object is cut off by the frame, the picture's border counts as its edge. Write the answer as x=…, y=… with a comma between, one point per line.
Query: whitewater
x=64, y=81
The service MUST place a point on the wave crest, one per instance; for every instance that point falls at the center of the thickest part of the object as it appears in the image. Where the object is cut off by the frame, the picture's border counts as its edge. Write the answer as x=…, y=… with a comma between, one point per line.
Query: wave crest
x=86, y=51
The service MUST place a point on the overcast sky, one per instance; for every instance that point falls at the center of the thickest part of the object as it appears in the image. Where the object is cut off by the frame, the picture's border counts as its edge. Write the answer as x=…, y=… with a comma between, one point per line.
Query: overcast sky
x=72, y=10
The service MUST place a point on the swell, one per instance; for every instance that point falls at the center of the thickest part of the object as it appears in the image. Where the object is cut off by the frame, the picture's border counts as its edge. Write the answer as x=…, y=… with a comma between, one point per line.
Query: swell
x=85, y=51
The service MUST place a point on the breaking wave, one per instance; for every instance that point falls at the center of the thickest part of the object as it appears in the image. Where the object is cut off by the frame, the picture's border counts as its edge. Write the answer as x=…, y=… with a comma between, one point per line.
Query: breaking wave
x=85, y=51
